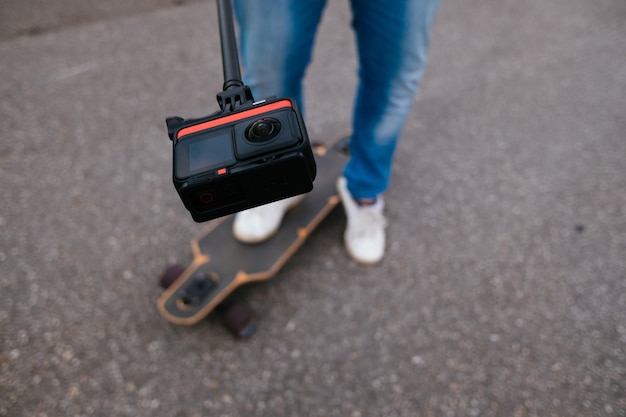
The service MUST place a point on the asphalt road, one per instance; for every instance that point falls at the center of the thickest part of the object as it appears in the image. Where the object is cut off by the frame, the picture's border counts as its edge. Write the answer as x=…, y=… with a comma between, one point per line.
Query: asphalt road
x=504, y=289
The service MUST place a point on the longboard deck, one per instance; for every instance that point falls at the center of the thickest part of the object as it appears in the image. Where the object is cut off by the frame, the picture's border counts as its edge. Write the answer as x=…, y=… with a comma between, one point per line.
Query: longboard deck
x=221, y=263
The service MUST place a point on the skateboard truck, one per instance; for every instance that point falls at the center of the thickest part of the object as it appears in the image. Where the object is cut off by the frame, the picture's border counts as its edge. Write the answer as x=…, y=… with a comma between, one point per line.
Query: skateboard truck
x=199, y=288
x=245, y=155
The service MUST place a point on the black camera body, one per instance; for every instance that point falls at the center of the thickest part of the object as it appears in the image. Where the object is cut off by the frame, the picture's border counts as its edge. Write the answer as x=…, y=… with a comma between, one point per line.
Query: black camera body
x=235, y=160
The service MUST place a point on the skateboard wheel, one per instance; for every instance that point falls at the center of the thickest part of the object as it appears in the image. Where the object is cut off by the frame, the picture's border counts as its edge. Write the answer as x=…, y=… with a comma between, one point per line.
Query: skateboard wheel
x=170, y=274
x=240, y=320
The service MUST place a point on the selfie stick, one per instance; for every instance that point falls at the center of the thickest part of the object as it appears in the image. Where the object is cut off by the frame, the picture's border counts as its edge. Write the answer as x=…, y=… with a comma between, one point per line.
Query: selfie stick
x=234, y=93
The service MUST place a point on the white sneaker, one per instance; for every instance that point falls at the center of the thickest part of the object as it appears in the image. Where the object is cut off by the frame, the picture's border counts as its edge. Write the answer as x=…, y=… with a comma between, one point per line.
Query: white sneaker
x=260, y=223
x=365, y=234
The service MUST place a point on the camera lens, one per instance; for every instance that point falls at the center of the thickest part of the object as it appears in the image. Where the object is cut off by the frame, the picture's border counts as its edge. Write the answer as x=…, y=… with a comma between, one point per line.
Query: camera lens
x=263, y=130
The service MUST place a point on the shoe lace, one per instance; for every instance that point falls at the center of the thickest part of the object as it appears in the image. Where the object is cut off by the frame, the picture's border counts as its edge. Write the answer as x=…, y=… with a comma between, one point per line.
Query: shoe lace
x=368, y=222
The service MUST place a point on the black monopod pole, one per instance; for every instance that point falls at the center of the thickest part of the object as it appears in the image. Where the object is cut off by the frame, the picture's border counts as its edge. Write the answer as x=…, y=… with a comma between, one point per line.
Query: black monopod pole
x=230, y=57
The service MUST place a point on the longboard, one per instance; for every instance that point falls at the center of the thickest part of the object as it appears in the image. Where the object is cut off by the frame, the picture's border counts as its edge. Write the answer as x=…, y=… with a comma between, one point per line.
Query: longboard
x=221, y=263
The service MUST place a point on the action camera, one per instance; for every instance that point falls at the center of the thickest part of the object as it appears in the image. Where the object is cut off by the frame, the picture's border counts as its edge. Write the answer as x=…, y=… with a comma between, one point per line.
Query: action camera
x=245, y=155
x=231, y=162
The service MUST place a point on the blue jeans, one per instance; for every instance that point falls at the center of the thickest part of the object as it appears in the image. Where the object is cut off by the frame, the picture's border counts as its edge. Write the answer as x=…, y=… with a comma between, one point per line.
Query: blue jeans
x=392, y=38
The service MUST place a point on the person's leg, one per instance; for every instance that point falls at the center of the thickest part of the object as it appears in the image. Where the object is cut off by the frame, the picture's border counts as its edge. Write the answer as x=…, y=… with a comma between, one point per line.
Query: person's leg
x=392, y=41
x=276, y=42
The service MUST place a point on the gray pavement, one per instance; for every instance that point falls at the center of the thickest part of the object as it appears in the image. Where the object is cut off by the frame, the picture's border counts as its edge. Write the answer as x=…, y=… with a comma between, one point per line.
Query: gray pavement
x=504, y=289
